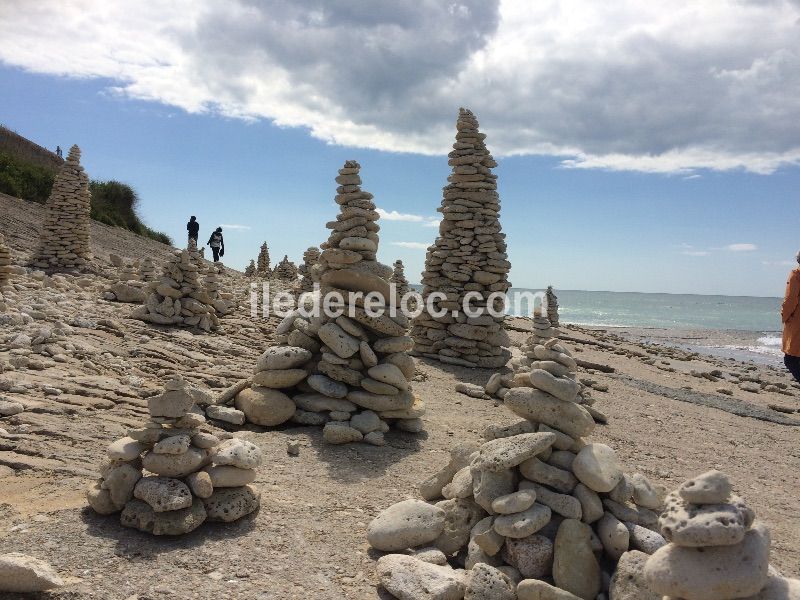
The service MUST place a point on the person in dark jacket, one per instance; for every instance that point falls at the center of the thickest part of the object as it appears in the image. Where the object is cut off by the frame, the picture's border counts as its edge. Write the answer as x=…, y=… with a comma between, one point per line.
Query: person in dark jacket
x=193, y=227
x=217, y=244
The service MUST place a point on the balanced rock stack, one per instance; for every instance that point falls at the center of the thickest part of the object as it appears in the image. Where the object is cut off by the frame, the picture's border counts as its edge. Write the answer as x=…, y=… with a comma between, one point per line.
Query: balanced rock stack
x=542, y=332
x=179, y=297
x=147, y=271
x=468, y=256
x=218, y=299
x=5, y=261
x=64, y=240
x=350, y=373
x=191, y=475
x=250, y=270
x=310, y=259
x=715, y=550
x=534, y=510
x=398, y=278
x=285, y=269
x=552, y=306
x=128, y=288
x=263, y=269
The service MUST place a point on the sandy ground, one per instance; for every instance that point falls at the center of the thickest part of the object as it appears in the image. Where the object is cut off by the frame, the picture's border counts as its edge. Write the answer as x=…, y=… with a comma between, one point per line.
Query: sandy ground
x=308, y=540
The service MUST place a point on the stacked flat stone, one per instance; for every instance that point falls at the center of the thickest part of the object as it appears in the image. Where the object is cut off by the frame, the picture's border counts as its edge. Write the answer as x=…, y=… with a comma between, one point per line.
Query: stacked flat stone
x=542, y=332
x=352, y=373
x=5, y=261
x=468, y=256
x=128, y=287
x=179, y=297
x=263, y=269
x=147, y=271
x=398, y=278
x=716, y=552
x=250, y=270
x=552, y=306
x=285, y=269
x=64, y=240
x=211, y=283
x=190, y=476
x=306, y=270
x=534, y=510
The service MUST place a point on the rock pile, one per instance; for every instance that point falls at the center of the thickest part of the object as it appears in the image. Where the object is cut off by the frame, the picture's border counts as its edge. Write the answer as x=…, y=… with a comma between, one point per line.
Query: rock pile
x=310, y=258
x=263, y=269
x=534, y=502
x=552, y=306
x=542, y=333
x=468, y=256
x=715, y=550
x=250, y=270
x=147, y=271
x=64, y=240
x=5, y=261
x=191, y=477
x=219, y=300
x=285, y=269
x=179, y=297
x=350, y=373
x=398, y=278
x=128, y=287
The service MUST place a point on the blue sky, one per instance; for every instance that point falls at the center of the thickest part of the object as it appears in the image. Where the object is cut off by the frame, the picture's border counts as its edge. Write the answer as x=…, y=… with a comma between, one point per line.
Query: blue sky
x=600, y=195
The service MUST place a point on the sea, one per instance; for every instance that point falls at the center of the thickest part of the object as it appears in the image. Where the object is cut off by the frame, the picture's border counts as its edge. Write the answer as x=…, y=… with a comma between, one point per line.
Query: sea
x=740, y=327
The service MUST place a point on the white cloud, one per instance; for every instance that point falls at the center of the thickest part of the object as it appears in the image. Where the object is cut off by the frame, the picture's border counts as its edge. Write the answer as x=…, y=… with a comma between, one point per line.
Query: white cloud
x=432, y=222
x=625, y=85
x=741, y=247
x=229, y=226
x=695, y=252
x=413, y=245
x=393, y=215
x=779, y=263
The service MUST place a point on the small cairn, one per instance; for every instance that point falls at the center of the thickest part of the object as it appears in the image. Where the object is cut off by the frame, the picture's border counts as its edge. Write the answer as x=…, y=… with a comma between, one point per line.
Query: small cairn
x=552, y=306
x=147, y=271
x=351, y=373
x=534, y=510
x=191, y=477
x=211, y=282
x=5, y=261
x=179, y=297
x=250, y=270
x=128, y=288
x=263, y=269
x=285, y=270
x=64, y=241
x=399, y=279
x=468, y=256
x=310, y=259
x=715, y=550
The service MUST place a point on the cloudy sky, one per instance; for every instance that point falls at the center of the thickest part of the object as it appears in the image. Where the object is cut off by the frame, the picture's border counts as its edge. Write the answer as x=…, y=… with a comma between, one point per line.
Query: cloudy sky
x=642, y=146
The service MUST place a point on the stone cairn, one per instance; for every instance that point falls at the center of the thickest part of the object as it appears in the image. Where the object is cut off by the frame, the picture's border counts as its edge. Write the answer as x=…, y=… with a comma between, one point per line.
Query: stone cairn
x=468, y=256
x=715, y=551
x=285, y=270
x=350, y=374
x=534, y=501
x=64, y=241
x=399, y=278
x=128, y=287
x=310, y=258
x=250, y=270
x=5, y=261
x=147, y=270
x=179, y=297
x=192, y=475
x=552, y=306
x=263, y=269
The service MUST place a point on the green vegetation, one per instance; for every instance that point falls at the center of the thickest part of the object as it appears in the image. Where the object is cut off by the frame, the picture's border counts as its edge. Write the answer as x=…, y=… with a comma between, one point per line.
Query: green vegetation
x=24, y=179
x=113, y=203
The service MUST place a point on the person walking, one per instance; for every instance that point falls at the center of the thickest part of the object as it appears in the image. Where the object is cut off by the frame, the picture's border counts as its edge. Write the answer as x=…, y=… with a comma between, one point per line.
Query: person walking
x=217, y=244
x=193, y=227
x=58, y=151
x=790, y=316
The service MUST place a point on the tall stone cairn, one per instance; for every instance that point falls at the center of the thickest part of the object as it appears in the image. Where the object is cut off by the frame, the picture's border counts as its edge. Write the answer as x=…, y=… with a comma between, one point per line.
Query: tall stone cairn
x=532, y=509
x=5, y=261
x=552, y=306
x=263, y=268
x=399, y=278
x=352, y=373
x=147, y=271
x=250, y=270
x=64, y=241
x=310, y=258
x=179, y=297
x=468, y=256
x=716, y=552
x=285, y=269
x=191, y=477
x=542, y=333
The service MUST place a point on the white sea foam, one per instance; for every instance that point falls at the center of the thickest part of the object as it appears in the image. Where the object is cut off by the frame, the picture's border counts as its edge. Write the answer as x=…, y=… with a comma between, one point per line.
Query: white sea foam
x=769, y=340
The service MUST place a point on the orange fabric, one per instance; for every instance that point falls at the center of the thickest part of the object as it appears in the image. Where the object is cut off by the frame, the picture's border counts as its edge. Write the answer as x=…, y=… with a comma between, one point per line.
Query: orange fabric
x=790, y=315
